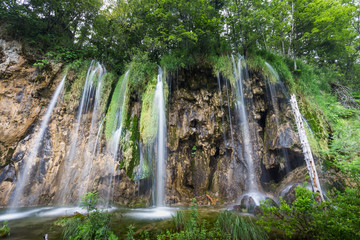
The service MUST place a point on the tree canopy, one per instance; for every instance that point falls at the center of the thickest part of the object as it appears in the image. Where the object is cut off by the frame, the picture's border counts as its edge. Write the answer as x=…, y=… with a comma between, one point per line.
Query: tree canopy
x=321, y=32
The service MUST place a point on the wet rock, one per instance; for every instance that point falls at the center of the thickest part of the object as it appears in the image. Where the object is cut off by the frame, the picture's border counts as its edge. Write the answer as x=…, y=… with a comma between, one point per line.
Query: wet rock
x=248, y=204
x=18, y=156
x=8, y=174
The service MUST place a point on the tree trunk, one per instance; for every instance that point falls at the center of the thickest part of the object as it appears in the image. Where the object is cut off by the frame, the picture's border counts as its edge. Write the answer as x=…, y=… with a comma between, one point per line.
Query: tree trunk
x=310, y=163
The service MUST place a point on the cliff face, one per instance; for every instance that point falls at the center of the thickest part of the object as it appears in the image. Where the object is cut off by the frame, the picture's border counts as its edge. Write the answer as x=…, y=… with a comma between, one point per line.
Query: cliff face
x=206, y=155
x=204, y=144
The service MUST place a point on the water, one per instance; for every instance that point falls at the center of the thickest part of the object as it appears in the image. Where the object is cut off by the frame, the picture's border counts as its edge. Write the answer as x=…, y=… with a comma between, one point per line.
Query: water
x=97, y=74
x=78, y=163
x=29, y=162
x=151, y=213
x=113, y=144
x=231, y=127
x=240, y=74
x=160, y=174
x=252, y=195
x=274, y=101
x=34, y=223
x=222, y=109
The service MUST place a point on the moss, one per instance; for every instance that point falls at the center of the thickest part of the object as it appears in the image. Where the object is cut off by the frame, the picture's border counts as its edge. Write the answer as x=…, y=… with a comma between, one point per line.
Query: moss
x=73, y=89
x=131, y=153
x=116, y=104
x=134, y=138
x=149, y=116
x=108, y=82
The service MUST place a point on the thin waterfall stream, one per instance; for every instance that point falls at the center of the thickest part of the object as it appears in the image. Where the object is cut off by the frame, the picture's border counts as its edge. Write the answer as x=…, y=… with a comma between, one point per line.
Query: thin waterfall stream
x=252, y=195
x=113, y=144
x=274, y=100
x=75, y=167
x=160, y=173
x=30, y=160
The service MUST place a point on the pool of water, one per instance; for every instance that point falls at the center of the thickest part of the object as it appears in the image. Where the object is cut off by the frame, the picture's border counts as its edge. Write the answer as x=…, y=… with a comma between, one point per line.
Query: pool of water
x=34, y=223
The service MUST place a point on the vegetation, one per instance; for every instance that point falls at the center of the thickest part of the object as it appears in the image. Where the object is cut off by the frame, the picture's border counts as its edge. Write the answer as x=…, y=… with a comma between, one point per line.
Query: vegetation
x=4, y=230
x=116, y=107
x=77, y=73
x=181, y=34
x=189, y=225
x=148, y=119
x=306, y=218
x=312, y=44
x=94, y=225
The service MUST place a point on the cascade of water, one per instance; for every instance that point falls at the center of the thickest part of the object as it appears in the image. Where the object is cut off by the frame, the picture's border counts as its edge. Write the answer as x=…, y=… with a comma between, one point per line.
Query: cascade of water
x=229, y=115
x=80, y=169
x=113, y=145
x=94, y=131
x=244, y=122
x=252, y=195
x=160, y=175
x=222, y=109
x=274, y=101
x=29, y=161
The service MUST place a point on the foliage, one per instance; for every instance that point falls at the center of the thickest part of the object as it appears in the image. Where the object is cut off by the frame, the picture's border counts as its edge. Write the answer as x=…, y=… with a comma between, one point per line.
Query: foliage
x=240, y=227
x=50, y=24
x=295, y=220
x=224, y=66
x=130, y=233
x=179, y=220
x=109, y=81
x=189, y=225
x=141, y=71
x=94, y=225
x=308, y=219
x=4, y=230
x=89, y=201
x=41, y=63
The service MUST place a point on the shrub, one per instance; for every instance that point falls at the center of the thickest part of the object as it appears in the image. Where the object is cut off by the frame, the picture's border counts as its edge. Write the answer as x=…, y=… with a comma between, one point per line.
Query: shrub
x=94, y=225
x=142, y=70
x=4, y=230
x=306, y=218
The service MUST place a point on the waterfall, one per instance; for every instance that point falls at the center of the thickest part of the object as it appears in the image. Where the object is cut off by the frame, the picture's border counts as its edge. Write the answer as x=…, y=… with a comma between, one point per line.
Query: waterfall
x=30, y=160
x=274, y=101
x=252, y=196
x=239, y=74
x=160, y=174
x=222, y=108
x=113, y=144
x=79, y=166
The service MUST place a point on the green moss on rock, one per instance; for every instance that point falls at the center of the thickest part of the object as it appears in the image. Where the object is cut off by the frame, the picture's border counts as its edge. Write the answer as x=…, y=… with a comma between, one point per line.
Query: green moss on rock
x=118, y=101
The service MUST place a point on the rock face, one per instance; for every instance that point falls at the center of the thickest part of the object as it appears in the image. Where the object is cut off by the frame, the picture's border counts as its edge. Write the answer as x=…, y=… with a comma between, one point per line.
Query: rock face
x=205, y=144
x=205, y=155
x=24, y=90
x=201, y=158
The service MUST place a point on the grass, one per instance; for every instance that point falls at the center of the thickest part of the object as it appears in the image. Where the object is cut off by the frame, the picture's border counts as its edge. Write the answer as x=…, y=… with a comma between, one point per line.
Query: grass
x=239, y=227
x=223, y=65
